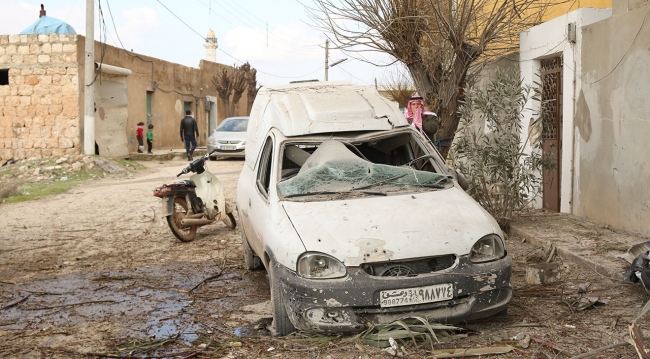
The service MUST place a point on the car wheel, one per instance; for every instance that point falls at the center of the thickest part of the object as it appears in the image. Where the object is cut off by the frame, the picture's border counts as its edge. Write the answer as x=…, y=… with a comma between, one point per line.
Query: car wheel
x=281, y=324
x=251, y=261
x=229, y=221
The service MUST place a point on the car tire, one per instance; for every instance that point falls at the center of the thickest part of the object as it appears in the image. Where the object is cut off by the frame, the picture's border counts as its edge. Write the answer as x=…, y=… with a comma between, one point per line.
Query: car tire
x=502, y=313
x=282, y=325
x=251, y=261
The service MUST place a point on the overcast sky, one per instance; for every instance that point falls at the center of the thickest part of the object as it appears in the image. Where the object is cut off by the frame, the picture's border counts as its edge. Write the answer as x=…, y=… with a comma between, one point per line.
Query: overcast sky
x=290, y=49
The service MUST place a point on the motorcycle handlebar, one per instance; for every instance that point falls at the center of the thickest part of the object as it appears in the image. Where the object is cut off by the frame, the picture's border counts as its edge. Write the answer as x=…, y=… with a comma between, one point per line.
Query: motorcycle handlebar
x=184, y=171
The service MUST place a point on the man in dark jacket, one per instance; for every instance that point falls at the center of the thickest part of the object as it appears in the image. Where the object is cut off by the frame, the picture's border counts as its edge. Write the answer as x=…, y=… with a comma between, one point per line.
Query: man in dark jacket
x=188, y=129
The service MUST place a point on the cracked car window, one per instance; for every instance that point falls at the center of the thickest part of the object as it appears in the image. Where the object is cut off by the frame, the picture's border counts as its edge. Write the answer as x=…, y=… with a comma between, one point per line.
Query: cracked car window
x=334, y=168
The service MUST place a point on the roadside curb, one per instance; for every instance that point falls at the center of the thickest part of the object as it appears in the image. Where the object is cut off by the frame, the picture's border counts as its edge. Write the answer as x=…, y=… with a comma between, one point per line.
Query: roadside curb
x=565, y=253
x=163, y=156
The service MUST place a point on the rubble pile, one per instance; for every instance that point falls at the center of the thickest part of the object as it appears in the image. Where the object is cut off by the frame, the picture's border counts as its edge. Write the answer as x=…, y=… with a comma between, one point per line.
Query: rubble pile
x=38, y=169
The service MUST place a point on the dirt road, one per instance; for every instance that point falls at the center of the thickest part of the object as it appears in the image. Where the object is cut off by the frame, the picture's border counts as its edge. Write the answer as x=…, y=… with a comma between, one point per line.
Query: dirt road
x=96, y=270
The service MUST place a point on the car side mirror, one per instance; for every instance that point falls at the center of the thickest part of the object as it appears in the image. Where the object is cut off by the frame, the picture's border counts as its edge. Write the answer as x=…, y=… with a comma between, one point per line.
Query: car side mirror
x=460, y=178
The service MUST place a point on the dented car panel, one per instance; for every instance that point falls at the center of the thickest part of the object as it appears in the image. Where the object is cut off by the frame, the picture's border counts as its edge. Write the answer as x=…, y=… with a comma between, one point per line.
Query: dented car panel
x=357, y=217
x=397, y=228
x=351, y=304
x=315, y=108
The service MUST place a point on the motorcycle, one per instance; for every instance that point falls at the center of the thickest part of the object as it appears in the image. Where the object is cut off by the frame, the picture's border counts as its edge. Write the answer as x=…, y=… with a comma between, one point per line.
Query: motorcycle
x=199, y=201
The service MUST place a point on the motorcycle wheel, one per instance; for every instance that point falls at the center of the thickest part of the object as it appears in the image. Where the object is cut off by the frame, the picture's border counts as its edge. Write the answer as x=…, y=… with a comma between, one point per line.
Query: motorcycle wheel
x=183, y=233
x=229, y=221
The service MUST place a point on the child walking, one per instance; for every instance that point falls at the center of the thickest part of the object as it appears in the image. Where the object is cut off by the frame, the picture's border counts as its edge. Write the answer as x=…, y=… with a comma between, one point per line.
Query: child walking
x=140, y=132
x=150, y=139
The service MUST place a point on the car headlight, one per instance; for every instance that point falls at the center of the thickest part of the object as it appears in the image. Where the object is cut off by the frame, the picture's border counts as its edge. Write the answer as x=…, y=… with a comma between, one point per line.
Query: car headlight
x=487, y=249
x=320, y=266
x=243, y=143
x=211, y=140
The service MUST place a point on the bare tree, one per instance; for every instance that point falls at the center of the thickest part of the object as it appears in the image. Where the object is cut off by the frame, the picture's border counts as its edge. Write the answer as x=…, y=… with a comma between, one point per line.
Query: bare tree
x=229, y=84
x=251, y=85
x=441, y=42
x=239, y=86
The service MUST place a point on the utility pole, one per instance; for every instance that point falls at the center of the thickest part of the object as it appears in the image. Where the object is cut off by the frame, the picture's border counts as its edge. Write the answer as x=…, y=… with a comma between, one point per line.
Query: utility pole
x=89, y=89
x=327, y=55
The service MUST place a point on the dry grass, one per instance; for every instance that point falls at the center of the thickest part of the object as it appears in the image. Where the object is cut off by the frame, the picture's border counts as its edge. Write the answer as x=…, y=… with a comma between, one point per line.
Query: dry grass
x=9, y=188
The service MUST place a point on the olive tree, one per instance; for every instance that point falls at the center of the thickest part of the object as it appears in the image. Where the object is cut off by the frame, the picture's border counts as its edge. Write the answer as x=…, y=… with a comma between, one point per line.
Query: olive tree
x=489, y=150
x=441, y=42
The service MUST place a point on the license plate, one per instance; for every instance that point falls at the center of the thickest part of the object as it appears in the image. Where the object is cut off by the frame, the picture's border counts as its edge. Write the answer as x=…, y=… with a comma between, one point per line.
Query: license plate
x=419, y=295
x=228, y=148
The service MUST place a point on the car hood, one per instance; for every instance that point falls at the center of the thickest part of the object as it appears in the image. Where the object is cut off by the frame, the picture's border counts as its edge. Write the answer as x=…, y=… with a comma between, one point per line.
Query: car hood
x=229, y=135
x=376, y=229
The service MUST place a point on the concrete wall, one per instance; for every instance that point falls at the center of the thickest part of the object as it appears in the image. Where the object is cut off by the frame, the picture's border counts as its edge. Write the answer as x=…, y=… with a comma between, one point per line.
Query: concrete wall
x=612, y=122
x=170, y=85
x=549, y=40
x=39, y=111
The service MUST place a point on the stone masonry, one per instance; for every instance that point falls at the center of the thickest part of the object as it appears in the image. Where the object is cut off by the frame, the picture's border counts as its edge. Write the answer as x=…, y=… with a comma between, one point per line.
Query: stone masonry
x=39, y=108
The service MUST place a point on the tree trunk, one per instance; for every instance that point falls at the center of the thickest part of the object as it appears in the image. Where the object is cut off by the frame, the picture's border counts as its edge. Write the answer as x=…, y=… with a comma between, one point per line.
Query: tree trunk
x=421, y=79
x=227, y=107
x=449, y=116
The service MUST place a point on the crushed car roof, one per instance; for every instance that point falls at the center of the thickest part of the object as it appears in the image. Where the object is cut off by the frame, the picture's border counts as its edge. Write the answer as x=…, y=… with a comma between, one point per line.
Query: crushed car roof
x=321, y=107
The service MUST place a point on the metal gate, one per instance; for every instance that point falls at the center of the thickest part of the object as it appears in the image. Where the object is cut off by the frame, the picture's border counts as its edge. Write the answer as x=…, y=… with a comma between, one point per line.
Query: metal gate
x=552, y=129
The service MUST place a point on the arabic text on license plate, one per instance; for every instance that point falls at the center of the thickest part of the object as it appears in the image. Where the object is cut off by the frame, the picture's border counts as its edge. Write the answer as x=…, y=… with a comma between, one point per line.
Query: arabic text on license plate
x=419, y=295
x=227, y=147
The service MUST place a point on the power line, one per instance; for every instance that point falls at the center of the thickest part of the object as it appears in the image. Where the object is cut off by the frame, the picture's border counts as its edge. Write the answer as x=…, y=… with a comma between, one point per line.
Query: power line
x=266, y=73
x=625, y=54
x=264, y=22
x=113, y=21
x=236, y=59
x=254, y=27
x=344, y=70
x=181, y=20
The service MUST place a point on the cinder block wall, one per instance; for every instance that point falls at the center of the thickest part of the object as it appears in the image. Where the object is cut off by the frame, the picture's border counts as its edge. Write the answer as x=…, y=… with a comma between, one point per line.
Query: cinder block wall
x=39, y=108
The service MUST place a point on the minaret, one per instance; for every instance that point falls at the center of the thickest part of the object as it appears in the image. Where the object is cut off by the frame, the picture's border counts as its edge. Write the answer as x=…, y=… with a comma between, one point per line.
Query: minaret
x=211, y=47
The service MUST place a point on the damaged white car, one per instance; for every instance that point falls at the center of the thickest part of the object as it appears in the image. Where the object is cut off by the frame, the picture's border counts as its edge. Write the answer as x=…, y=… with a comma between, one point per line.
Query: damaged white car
x=356, y=217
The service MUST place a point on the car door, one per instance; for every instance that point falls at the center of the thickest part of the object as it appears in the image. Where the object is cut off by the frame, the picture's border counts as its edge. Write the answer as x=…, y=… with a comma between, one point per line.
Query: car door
x=258, y=202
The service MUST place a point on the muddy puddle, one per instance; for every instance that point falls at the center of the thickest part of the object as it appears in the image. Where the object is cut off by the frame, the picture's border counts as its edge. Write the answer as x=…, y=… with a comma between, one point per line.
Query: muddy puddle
x=176, y=300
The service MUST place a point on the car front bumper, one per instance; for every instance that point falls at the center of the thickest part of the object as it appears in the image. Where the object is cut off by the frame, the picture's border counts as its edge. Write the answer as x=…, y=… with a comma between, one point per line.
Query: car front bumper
x=351, y=304
x=239, y=150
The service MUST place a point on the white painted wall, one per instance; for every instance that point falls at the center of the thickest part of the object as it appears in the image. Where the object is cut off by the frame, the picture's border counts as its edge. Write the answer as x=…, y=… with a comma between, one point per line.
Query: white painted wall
x=549, y=40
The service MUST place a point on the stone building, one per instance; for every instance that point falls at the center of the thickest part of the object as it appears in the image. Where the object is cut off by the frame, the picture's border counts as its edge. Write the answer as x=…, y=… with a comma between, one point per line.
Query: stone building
x=593, y=66
x=41, y=97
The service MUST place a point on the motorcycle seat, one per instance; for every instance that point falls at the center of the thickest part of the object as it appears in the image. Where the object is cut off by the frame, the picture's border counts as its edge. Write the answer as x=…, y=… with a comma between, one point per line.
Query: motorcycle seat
x=188, y=183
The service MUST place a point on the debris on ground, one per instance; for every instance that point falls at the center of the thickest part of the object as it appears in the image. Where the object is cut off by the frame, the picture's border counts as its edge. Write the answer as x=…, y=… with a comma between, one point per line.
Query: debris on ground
x=19, y=178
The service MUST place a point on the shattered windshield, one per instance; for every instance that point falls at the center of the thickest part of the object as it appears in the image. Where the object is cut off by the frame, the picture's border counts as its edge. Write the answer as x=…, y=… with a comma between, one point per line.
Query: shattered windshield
x=333, y=168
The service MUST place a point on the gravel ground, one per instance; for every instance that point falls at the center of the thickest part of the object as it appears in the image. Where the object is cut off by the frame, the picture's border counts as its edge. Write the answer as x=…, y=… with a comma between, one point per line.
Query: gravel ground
x=95, y=272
